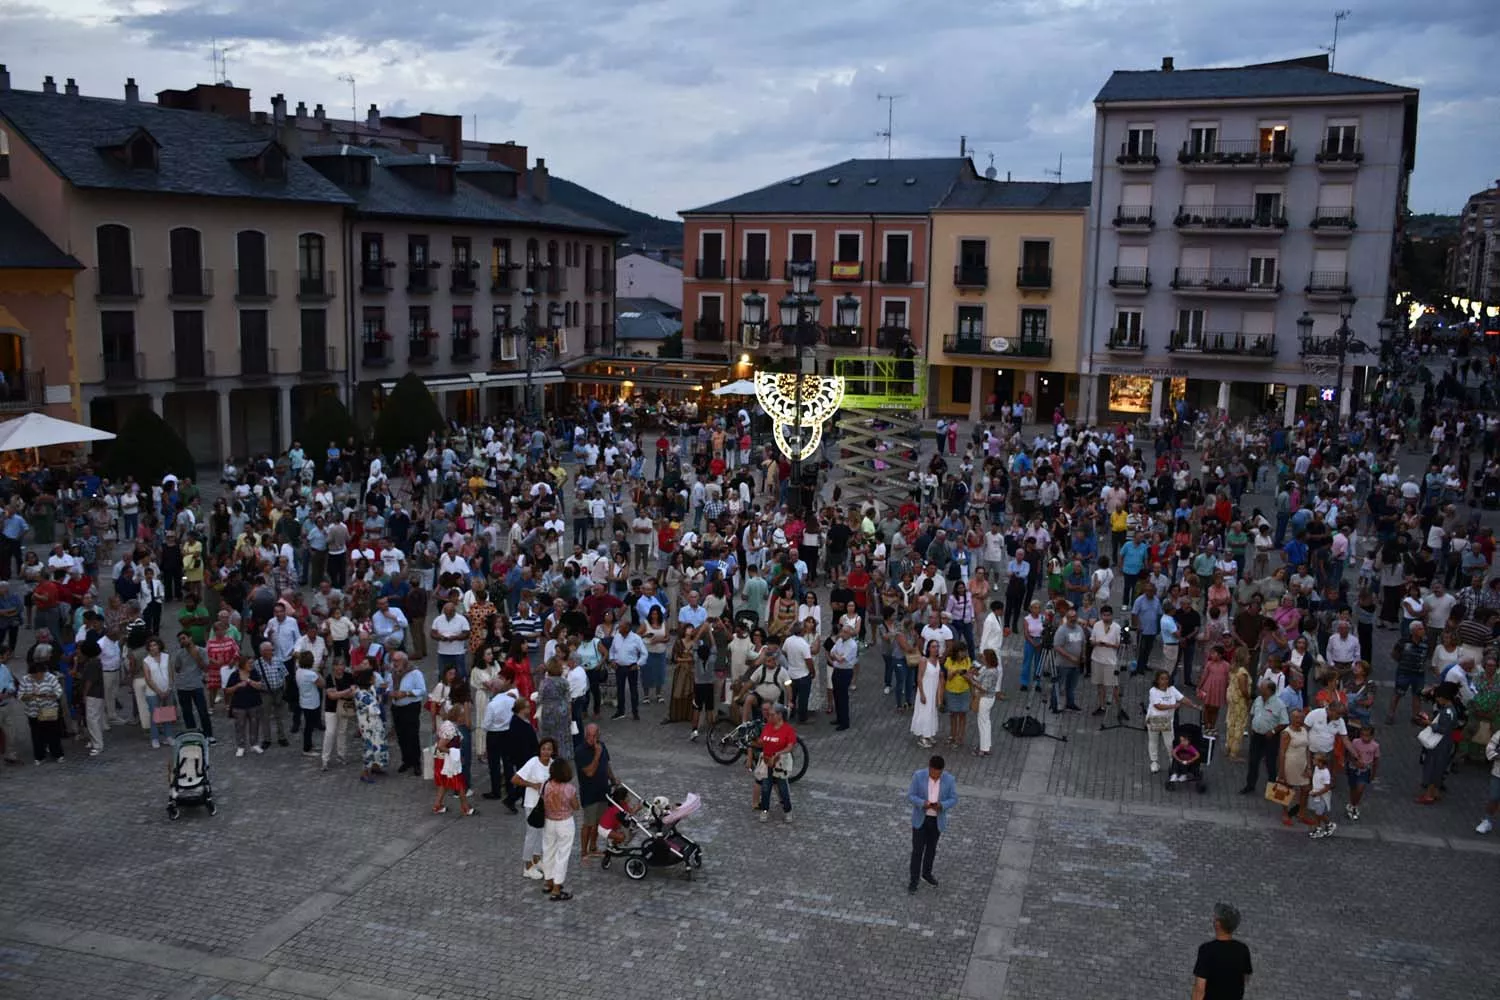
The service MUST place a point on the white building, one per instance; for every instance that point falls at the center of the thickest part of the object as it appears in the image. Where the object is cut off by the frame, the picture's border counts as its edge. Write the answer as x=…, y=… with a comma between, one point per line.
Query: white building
x=649, y=276
x=1227, y=204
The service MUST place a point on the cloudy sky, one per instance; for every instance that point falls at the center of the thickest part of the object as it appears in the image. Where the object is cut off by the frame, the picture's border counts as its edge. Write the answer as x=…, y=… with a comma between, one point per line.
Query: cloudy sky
x=668, y=104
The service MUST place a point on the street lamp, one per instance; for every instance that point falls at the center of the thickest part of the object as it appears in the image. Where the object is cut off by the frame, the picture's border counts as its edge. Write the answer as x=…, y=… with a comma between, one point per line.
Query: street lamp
x=531, y=334
x=799, y=322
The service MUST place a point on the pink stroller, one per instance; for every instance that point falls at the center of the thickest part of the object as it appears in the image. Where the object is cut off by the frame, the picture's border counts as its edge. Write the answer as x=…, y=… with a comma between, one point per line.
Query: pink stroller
x=660, y=843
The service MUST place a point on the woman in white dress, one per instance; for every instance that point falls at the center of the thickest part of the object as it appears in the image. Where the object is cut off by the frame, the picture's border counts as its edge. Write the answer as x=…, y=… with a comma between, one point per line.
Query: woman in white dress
x=482, y=674
x=924, y=712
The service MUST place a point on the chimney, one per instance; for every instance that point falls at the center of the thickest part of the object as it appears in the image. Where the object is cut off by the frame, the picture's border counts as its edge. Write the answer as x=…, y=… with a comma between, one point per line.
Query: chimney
x=71, y=87
x=132, y=92
x=301, y=110
x=49, y=86
x=278, y=109
x=372, y=119
x=319, y=115
x=4, y=78
x=1166, y=64
x=539, y=180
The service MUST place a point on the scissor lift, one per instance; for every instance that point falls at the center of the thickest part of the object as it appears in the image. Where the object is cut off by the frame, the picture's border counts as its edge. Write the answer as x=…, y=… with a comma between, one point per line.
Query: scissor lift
x=880, y=425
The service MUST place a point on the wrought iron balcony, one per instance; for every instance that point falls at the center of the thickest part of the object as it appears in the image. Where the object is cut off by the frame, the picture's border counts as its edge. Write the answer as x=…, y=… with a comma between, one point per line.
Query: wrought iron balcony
x=557, y=279
x=709, y=268
x=1333, y=218
x=1237, y=153
x=118, y=283
x=254, y=284
x=190, y=284
x=465, y=346
x=1126, y=340
x=971, y=276
x=376, y=353
x=421, y=279
x=23, y=391
x=502, y=279
x=375, y=277
x=318, y=359
x=1033, y=277
x=257, y=360
x=1224, y=280
x=1138, y=156
x=1339, y=155
x=888, y=338
x=791, y=264
x=1135, y=218
x=1246, y=218
x=461, y=280
x=316, y=286
x=195, y=365
x=1129, y=279
x=979, y=344
x=845, y=336
x=125, y=369
x=709, y=330
x=896, y=273
x=421, y=349
x=1327, y=284
x=1248, y=345
x=755, y=270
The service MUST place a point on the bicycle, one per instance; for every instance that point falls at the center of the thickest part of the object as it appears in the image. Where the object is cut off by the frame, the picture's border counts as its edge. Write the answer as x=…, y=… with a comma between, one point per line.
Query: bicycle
x=728, y=742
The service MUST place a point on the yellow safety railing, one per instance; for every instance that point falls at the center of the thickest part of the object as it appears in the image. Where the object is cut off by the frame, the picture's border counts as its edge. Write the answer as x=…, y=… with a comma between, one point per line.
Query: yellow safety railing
x=882, y=383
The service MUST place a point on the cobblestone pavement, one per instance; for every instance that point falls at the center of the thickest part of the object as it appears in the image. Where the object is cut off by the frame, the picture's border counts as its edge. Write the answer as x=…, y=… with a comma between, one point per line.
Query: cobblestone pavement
x=1067, y=872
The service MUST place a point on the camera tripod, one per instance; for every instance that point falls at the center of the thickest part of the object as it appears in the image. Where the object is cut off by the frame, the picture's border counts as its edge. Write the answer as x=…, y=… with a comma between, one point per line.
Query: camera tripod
x=1122, y=717
x=1021, y=723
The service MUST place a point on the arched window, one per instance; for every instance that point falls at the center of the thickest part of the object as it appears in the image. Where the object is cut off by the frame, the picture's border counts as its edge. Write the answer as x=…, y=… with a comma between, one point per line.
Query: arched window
x=188, y=277
x=312, y=274
x=251, y=275
x=116, y=270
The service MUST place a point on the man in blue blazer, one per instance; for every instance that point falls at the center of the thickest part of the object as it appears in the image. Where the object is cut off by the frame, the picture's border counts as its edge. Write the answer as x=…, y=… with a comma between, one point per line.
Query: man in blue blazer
x=932, y=794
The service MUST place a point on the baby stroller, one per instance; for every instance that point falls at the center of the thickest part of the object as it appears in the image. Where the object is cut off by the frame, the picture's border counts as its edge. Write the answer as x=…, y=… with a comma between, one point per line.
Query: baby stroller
x=654, y=840
x=188, y=781
x=1182, y=774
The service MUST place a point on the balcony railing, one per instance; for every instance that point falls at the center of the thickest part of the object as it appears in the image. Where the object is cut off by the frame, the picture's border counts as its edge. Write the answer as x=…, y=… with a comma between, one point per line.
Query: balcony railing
x=376, y=353
x=755, y=270
x=318, y=359
x=1327, y=283
x=1126, y=340
x=1237, y=153
x=1322, y=347
x=1347, y=154
x=888, y=338
x=421, y=350
x=1223, y=279
x=1246, y=217
x=590, y=336
x=502, y=279
x=971, y=276
x=375, y=277
x=1252, y=345
x=465, y=346
x=461, y=280
x=806, y=336
x=1033, y=277
x=254, y=284
x=973, y=343
x=709, y=268
x=23, y=390
x=607, y=338
x=1137, y=155
x=845, y=336
x=1134, y=217
x=420, y=279
x=316, y=286
x=710, y=330
x=125, y=369
x=557, y=279
x=846, y=270
x=1333, y=217
x=787, y=266
x=192, y=366
x=596, y=280
x=190, y=283
x=1131, y=277
x=896, y=272
x=118, y=282
x=257, y=361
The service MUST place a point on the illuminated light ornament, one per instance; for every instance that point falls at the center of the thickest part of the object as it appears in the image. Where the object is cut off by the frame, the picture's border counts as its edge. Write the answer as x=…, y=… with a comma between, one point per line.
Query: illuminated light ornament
x=798, y=434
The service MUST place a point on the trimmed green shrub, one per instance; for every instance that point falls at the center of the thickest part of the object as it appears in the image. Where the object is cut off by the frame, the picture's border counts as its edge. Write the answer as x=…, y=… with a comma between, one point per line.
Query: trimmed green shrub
x=327, y=420
x=408, y=416
x=147, y=448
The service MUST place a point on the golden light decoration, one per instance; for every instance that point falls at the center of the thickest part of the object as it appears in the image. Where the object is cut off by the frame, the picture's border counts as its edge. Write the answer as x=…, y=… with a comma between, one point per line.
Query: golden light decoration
x=821, y=397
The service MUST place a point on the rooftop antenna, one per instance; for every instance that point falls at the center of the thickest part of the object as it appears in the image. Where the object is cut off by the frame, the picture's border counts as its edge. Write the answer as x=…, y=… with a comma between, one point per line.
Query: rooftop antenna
x=353, y=100
x=1333, y=50
x=220, y=59
x=890, y=118
x=990, y=171
x=1058, y=172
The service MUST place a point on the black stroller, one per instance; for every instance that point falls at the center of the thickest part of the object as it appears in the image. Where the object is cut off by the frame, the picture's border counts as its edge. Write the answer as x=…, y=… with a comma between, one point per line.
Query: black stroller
x=1181, y=774
x=188, y=781
x=653, y=840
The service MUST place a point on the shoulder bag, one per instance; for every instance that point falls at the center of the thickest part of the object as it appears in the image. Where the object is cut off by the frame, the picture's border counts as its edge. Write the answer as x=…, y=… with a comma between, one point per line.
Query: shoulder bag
x=1430, y=738
x=537, y=817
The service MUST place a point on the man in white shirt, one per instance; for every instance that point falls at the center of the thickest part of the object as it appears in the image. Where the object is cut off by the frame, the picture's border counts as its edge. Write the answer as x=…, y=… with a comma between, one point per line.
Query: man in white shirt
x=451, y=630
x=1106, y=639
x=941, y=633
x=801, y=668
x=388, y=623
x=496, y=722
x=1325, y=727
x=1439, y=605
x=1342, y=649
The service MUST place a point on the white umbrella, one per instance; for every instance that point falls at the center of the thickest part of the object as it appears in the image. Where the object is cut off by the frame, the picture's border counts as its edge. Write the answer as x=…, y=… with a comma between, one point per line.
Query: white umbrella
x=742, y=387
x=37, y=430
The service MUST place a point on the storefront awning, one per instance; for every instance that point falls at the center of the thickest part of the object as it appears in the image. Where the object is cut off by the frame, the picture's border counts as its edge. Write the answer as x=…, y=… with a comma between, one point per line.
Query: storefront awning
x=485, y=380
x=676, y=384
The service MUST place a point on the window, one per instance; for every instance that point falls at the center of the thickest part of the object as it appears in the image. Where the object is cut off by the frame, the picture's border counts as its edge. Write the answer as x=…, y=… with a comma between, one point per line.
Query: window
x=417, y=251
x=255, y=341
x=250, y=254
x=372, y=323
x=533, y=251
x=970, y=322
x=1140, y=140
x=1330, y=270
x=1127, y=332
x=273, y=163
x=963, y=384
x=1033, y=326
x=187, y=343
x=552, y=254
x=418, y=321
x=315, y=353
x=500, y=255
x=1273, y=138
x=187, y=261
x=1036, y=256
x=1132, y=259
x=463, y=252
x=1341, y=137
x=463, y=321
x=310, y=250
x=500, y=318
x=117, y=332
x=1135, y=200
x=116, y=275
x=893, y=313
x=847, y=247
x=1189, y=331
x=1203, y=138
x=372, y=249
x=4, y=154
x=972, y=253
x=898, y=256
x=141, y=153
x=1267, y=206
x=801, y=247
x=710, y=308
x=711, y=255
x=1262, y=271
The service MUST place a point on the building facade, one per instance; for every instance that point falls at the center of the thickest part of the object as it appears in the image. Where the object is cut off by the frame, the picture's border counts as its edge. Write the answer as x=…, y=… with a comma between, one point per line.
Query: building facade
x=38, y=366
x=863, y=226
x=1228, y=204
x=649, y=276
x=1474, y=270
x=1006, y=297
x=192, y=229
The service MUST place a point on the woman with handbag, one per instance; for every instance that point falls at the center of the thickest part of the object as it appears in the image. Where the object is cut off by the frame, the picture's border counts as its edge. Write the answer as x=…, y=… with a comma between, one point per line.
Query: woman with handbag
x=532, y=776
x=1162, y=702
x=161, y=691
x=1294, y=767
x=41, y=696
x=559, y=801
x=1438, y=741
x=338, y=710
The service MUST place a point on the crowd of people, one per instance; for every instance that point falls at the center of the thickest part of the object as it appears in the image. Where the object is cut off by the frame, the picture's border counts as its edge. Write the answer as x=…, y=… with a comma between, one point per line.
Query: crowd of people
x=513, y=583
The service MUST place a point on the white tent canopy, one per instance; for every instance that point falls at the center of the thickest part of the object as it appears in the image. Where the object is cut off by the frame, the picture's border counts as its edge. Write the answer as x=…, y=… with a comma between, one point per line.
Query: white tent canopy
x=37, y=430
x=742, y=387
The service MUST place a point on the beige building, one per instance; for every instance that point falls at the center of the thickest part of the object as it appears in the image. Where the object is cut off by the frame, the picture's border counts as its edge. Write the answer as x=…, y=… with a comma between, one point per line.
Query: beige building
x=210, y=289
x=1005, y=296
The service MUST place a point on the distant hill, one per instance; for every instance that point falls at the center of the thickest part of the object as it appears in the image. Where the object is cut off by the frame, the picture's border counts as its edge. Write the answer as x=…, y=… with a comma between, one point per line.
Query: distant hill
x=643, y=230
x=1430, y=227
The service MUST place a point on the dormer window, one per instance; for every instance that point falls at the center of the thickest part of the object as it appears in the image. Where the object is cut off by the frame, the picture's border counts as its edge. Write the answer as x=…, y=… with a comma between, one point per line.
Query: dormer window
x=273, y=163
x=135, y=150
x=142, y=153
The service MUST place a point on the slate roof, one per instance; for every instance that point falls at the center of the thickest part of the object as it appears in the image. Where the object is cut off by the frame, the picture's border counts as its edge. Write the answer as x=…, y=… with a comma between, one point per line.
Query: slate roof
x=982, y=195
x=645, y=326
x=23, y=245
x=625, y=303
x=1265, y=81
x=853, y=187
x=392, y=196
x=196, y=148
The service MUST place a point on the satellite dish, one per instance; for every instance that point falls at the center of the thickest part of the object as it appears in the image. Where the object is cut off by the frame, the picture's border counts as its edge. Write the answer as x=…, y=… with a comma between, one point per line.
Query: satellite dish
x=990, y=172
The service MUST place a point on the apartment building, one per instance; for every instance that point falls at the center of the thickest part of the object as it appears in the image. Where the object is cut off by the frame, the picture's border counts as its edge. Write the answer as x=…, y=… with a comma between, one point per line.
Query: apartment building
x=1006, y=296
x=37, y=365
x=863, y=226
x=1227, y=205
x=206, y=289
x=1474, y=267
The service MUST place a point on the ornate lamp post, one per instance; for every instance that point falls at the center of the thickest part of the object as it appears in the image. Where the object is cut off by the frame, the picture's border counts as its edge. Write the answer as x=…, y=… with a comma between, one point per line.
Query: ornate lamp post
x=539, y=342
